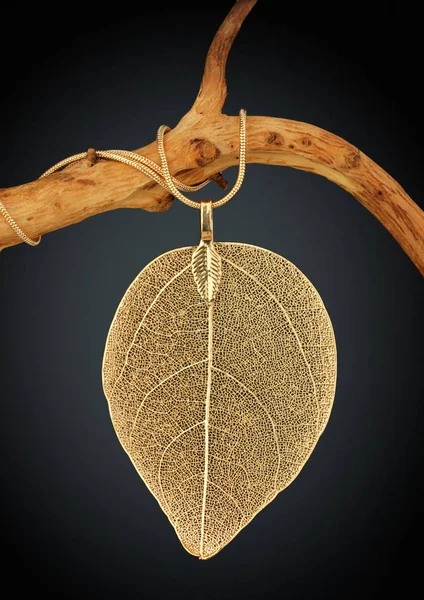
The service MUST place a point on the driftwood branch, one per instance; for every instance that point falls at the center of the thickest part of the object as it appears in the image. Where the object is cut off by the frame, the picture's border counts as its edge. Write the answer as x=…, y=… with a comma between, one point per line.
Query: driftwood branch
x=204, y=143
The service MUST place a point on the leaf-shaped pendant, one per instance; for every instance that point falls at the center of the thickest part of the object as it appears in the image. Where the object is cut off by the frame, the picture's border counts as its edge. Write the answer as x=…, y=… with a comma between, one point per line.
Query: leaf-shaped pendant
x=220, y=377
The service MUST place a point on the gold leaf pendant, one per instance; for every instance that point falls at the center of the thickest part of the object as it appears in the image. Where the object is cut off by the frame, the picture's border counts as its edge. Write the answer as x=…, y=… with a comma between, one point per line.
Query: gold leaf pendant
x=220, y=373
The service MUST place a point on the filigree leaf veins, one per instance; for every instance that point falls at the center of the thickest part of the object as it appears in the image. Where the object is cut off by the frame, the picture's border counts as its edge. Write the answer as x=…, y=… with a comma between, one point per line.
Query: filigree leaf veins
x=219, y=403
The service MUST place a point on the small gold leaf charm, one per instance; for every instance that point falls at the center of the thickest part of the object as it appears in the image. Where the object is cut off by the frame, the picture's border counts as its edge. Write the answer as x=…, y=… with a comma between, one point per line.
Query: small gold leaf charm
x=206, y=268
x=205, y=261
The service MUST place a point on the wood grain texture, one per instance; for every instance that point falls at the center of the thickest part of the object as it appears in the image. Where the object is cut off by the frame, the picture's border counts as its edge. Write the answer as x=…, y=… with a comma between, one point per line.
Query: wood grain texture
x=204, y=143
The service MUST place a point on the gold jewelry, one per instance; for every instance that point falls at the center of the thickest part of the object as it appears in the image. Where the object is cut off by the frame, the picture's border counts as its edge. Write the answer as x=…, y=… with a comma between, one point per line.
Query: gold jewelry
x=16, y=227
x=220, y=372
x=137, y=161
x=169, y=179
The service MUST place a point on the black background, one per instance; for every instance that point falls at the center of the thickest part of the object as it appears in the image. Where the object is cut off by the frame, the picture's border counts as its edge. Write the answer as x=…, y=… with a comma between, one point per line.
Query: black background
x=77, y=520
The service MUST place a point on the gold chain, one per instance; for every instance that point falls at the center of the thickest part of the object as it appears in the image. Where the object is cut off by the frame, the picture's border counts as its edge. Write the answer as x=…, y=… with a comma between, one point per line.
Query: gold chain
x=160, y=175
x=242, y=167
x=137, y=161
x=16, y=227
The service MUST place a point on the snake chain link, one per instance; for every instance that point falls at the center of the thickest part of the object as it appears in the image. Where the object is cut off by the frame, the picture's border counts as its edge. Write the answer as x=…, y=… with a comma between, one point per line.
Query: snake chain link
x=161, y=175
x=169, y=180
x=16, y=227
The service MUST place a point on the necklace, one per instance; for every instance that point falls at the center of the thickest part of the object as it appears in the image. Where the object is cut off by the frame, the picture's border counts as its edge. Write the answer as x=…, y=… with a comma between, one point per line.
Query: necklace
x=219, y=370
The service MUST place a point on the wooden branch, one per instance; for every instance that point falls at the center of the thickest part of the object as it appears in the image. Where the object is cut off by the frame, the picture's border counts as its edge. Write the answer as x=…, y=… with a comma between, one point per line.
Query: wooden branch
x=204, y=143
x=213, y=89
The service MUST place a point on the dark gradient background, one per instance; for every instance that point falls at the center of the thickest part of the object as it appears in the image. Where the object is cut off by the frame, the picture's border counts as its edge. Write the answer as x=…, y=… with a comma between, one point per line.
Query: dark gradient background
x=77, y=522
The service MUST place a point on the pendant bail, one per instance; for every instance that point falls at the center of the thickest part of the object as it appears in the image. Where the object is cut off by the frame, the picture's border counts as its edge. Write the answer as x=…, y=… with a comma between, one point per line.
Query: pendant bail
x=206, y=221
x=205, y=260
